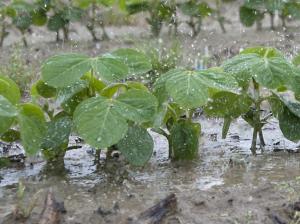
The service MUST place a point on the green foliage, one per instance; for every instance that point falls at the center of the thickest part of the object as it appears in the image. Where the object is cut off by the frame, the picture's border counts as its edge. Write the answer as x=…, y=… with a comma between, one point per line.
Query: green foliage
x=184, y=140
x=137, y=145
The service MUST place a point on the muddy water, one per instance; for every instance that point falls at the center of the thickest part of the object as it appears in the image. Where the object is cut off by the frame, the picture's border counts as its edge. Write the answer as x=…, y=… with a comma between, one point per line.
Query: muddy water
x=226, y=184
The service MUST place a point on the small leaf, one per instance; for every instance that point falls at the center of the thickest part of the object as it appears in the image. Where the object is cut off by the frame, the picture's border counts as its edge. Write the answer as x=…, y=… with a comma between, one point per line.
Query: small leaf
x=32, y=127
x=136, y=146
x=10, y=90
x=137, y=62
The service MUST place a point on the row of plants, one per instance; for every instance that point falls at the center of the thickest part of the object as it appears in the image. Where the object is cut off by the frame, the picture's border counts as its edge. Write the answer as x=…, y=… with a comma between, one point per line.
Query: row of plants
x=94, y=98
x=57, y=15
x=253, y=11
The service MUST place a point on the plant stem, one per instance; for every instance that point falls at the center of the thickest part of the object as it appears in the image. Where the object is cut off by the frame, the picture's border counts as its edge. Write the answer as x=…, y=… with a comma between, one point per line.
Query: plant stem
x=254, y=138
x=261, y=138
x=272, y=20
x=219, y=16
x=24, y=39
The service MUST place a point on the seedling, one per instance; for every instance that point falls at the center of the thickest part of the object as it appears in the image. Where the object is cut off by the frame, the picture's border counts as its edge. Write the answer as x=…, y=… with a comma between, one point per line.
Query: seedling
x=179, y=93
x=160, y=12
x=262, y=74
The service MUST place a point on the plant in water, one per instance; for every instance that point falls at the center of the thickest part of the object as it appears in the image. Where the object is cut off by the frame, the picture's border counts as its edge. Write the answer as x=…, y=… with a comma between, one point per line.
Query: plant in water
x=263, y=74
x=180, y=92
x=107, y=112
x=24, y=208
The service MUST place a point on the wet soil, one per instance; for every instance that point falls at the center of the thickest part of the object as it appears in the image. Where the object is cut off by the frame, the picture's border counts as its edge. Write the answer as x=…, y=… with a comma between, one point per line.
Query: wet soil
x=226, y=184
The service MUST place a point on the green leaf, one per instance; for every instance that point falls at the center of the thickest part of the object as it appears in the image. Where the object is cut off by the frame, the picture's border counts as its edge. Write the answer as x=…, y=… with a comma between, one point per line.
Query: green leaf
x=10, y=136
x=45, y=90
x=57, y=134
x=39, y=17
x=248, y=16
x=184, y=140
x=7, y=113
x=56, y=22
x=99, y=122
x=136, y=146
x=187, y=88
x=137, y=105
x=10, y=90
x=271, y=72
x=102, y=122
x=66, y=69
x=190, y=88
x=109, y=69
x=32, y=127
x=288, y=114
x=7, y=109
x=228, y=105
x=137, y=62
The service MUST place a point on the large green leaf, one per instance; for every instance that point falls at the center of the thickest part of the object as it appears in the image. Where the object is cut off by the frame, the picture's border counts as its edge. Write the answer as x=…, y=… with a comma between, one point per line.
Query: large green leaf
x=66, y=69
x=99, y=122
x=32, y=127
x=102, y=122
x=136, y=146
x=271, y=72
x=190, y=88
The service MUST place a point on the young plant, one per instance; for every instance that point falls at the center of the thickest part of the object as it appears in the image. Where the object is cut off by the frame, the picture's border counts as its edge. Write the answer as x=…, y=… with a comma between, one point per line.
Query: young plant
x=180, y=92
x=107, y=112
x=25, y=14
x=254, y=11
x=63, y=14
x=93, y=18
x=160, y=12
x=262, y=73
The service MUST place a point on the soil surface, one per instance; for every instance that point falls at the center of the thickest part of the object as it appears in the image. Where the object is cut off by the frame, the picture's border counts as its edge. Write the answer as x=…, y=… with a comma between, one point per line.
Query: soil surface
x=226, y=184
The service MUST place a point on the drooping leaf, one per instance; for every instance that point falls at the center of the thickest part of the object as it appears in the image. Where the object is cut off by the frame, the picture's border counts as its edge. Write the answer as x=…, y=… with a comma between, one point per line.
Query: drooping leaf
x=184, y=140
x=228, y=105
x=136, y=146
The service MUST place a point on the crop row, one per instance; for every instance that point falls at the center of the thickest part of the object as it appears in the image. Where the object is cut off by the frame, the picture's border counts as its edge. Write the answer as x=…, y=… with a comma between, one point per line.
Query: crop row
x=57, y=15
x=94, y=99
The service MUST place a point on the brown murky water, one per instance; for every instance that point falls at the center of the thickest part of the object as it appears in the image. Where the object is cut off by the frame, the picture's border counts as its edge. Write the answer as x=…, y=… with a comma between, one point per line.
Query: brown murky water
x=225, y=184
